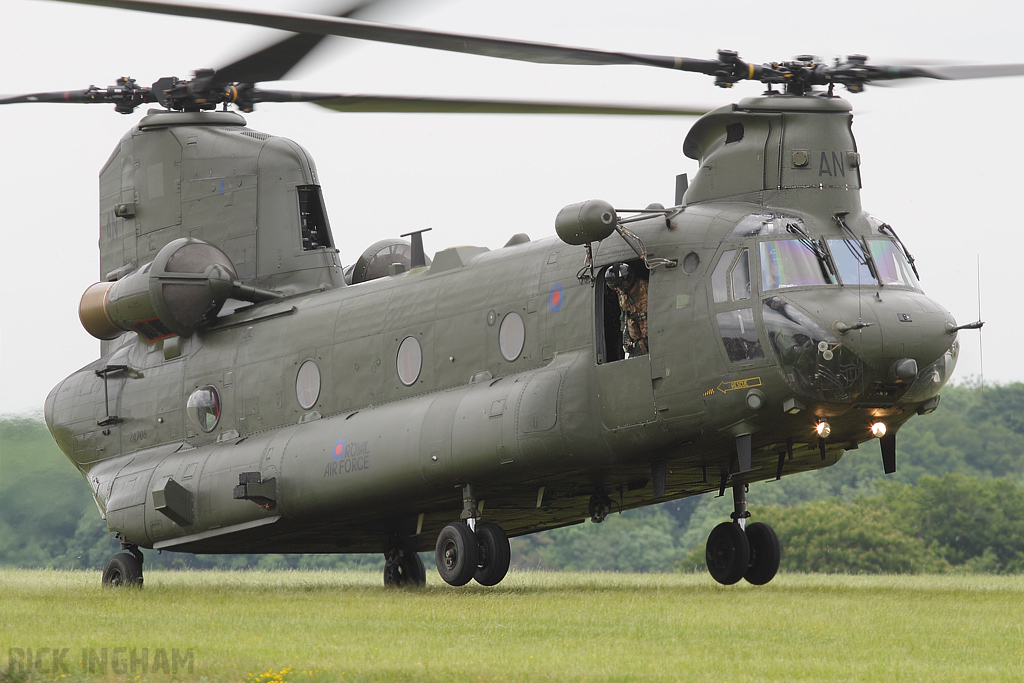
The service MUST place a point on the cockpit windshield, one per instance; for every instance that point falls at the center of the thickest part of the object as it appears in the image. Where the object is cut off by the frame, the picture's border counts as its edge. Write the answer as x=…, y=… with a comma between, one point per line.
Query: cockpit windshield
x=851, y=262
x=792, y=257
x=893, y=267
x=792, y=263
x=872, y=262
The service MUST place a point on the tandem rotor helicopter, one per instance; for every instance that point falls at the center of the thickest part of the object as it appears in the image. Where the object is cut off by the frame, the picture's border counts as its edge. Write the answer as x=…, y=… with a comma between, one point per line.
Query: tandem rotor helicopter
x=256, y=395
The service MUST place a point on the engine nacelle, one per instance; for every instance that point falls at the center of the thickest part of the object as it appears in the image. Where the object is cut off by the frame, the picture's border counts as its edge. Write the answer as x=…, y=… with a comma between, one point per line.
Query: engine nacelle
x=185, y=285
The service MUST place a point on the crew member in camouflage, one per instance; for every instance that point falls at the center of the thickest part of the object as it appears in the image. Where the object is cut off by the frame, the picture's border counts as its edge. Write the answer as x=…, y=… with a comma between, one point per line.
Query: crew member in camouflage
x=632, y=293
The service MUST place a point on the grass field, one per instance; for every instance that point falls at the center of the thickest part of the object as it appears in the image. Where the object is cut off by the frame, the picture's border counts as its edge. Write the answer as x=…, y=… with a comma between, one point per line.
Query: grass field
x=328, y=626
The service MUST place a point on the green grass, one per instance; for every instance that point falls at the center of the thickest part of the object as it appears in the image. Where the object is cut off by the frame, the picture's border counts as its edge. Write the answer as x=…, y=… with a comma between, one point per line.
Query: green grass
x=328, y=626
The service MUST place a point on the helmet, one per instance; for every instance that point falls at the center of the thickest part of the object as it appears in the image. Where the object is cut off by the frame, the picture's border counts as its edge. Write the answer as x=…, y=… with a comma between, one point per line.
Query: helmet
x=619, y=276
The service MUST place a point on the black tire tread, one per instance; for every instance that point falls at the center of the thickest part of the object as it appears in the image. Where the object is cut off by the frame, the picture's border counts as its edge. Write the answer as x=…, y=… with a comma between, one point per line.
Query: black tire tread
x=462, y=541
x=122, y=570
x=727, y=553
x=765, y=553
x=496, y=557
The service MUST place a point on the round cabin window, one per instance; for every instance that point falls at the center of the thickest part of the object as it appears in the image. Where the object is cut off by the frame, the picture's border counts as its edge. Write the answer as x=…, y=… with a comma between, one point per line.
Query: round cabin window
x=307, y=384
x=410, y=361
x=511, y=336
x=691, y=262
x=204, y=408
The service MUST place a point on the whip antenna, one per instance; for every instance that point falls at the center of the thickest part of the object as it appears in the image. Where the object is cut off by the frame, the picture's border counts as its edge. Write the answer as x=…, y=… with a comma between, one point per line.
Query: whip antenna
x=981, y=344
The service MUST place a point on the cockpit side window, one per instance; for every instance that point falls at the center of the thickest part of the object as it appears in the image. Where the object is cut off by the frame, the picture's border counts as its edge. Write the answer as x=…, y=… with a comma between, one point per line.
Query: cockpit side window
x=739, y=335
x=730, y=281
x=719, y=277
x=740, y=279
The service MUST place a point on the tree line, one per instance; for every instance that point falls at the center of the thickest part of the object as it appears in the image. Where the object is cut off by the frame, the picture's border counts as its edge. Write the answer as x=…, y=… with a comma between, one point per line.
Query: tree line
x=956, y=504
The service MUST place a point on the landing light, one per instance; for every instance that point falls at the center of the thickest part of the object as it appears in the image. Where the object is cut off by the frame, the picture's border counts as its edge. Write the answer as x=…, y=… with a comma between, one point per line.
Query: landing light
x=878, y=429
x=823, y=429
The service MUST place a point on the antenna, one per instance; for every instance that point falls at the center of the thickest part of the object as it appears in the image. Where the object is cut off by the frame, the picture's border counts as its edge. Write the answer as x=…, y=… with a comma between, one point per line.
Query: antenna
x=981, y=344
x=419, y=258
x=682, y=184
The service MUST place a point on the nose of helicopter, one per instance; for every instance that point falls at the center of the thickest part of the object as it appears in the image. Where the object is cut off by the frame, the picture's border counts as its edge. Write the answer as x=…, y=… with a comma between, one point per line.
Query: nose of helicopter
x=899, y=334
x=879, y=347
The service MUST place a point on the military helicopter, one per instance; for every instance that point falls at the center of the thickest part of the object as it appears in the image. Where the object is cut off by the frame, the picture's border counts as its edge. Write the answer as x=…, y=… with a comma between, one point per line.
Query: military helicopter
x=452, y=403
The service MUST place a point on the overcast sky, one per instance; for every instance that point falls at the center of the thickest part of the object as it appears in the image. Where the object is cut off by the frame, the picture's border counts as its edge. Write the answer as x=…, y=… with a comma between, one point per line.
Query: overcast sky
x=941, y=162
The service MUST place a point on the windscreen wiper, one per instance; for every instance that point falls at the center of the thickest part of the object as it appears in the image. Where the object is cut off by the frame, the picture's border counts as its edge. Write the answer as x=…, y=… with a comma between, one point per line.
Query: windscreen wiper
x=886, y=229
x=864, y=256
x=828, y=268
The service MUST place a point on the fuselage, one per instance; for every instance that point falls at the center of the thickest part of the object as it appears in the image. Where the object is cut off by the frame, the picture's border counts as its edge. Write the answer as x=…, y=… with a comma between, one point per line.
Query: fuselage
x=387, y=443
x=336, y=418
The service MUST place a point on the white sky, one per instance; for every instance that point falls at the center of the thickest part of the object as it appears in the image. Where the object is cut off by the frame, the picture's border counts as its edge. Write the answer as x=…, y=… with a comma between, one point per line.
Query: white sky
x=941, y=161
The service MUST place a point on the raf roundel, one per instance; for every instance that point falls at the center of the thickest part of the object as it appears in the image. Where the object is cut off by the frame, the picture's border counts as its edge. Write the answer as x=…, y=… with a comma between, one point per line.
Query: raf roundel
x=339, y=449
x=555, y=297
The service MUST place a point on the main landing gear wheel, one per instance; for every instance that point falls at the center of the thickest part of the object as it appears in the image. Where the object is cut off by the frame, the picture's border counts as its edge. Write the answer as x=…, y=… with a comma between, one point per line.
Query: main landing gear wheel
x=405, y=571
x=123, y=570
x=765, y=553
x=727, y=553
x=494, y=554
x=456, y=554
x=737, y=550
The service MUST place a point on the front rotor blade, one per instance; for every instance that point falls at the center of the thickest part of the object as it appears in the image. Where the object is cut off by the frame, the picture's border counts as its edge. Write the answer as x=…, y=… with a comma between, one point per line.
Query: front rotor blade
x=951, y=72
x=441, y=105
x=502, y=48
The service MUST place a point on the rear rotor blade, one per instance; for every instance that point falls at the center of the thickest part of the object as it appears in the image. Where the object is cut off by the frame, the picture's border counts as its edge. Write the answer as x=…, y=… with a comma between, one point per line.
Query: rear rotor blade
x=424, y=105
x=71, y=96
x=125, y=96
x=274, y=62
x=502, y=48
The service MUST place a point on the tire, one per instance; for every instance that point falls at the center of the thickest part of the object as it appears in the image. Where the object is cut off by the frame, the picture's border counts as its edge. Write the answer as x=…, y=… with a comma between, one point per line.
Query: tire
x=727, y=553
x=494, y=554
x=407, y=572
x=122, y=570
x=392, y=576
x=765, y=554
x=415, y=570
x=456, y=554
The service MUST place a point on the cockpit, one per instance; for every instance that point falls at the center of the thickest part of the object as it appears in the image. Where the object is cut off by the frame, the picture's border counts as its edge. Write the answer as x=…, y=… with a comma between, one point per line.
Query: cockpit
x=790, y=257
x=816, y=356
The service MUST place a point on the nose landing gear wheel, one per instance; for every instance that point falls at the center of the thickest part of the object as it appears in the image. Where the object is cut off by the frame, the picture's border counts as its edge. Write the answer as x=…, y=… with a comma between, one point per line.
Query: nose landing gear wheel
x=727, y=553
x=765, y=553
x=456, y=554
x=494, y=554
